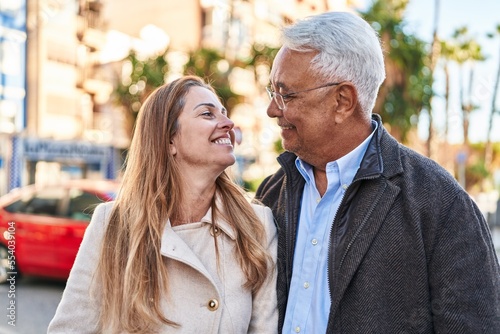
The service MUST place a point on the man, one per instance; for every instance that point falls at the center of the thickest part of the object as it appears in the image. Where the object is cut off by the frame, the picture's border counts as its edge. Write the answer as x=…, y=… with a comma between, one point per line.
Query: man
x=373, y=237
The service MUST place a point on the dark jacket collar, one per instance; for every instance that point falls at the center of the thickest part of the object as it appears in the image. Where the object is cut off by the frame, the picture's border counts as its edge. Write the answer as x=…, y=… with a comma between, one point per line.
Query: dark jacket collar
x=372, y=164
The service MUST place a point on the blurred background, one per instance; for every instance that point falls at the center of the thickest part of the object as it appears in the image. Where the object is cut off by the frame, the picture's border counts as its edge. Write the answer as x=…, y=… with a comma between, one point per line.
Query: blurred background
x=74, y=73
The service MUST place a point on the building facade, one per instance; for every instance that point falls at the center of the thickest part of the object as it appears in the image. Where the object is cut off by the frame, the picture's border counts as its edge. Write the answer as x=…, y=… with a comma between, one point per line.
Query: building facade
x=60, y=60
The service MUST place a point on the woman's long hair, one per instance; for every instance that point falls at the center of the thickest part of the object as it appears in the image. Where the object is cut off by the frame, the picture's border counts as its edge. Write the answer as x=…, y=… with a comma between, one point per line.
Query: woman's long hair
x=131, y=276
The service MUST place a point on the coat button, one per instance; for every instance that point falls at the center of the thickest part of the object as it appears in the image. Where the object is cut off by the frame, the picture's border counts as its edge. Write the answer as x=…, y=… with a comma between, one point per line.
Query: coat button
x=213, y=304
x=214, y=231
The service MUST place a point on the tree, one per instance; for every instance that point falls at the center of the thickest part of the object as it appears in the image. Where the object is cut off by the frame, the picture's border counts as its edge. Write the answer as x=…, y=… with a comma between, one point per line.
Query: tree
x=468, y=53
x=433, y=56
x=447, y=55
x=407, y=88
x=488, y=150
x=211, y=65
x=140, y=76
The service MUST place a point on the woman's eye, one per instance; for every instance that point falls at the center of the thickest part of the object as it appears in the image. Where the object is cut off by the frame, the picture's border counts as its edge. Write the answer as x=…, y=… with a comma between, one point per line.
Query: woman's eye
x=206, y=113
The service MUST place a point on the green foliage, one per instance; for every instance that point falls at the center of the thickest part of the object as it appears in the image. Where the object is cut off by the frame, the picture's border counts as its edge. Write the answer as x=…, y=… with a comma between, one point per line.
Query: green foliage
x=261, y=54
x=475, y=174
x=278, y=146
x=408, y=87
x=211, y=65
x=145, y=75
x=252, y=185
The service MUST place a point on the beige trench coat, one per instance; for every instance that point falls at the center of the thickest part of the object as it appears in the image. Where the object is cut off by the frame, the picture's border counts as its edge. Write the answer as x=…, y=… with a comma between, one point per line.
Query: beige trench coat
x=202, y=298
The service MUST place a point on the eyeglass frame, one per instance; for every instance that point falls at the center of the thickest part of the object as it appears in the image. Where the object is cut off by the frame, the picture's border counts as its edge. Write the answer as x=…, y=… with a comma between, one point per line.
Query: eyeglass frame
x=273, y=94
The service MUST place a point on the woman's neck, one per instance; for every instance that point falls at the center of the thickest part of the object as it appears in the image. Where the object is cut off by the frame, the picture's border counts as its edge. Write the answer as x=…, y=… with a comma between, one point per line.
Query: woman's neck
x=196, y=200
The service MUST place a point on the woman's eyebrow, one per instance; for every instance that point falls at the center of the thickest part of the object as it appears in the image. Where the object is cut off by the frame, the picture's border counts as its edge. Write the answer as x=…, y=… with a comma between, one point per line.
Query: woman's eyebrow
x=208, y=104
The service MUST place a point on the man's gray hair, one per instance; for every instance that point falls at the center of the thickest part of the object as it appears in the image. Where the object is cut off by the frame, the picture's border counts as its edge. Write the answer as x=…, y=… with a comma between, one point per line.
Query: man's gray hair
x=348, y=50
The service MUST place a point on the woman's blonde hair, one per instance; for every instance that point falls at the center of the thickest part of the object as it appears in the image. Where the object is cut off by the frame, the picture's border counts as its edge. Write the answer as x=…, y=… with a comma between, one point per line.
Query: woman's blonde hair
x=131, y=276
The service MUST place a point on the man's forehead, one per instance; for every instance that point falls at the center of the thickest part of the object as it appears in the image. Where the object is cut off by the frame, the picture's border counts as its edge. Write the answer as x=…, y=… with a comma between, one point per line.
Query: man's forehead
x=291, y=67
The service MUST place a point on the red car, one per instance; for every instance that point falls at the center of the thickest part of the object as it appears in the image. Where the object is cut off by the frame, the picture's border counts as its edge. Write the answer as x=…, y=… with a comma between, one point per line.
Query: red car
x=41, y=228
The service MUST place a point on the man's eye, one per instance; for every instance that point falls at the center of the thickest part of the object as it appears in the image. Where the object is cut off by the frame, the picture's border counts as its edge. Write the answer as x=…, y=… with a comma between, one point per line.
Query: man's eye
x=288, y=97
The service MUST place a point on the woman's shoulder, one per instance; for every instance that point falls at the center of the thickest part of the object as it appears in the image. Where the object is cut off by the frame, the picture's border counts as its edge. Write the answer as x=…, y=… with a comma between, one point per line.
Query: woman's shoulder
x=103, y=210
x=261, y=210
x=100, y=216
x=265, y=215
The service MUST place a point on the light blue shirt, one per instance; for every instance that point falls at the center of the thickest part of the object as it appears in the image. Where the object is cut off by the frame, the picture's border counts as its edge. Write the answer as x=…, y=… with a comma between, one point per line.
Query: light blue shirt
x=309, y=299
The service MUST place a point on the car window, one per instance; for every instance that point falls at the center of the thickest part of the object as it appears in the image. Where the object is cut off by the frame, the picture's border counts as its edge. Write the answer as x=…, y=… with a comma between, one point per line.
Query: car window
x=82, y=204
x=16, y=206
x=46, y=202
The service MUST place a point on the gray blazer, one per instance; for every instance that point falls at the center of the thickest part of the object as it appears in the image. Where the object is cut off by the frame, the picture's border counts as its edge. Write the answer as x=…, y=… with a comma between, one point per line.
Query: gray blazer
x=409, y=252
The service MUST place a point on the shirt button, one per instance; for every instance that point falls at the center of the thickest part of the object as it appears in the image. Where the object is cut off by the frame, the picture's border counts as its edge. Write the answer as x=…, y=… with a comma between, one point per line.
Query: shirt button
x=318, y=199
x=344, y=186
x=314, y=242
x=306, y=285
x=297, y=329
x=213, y=304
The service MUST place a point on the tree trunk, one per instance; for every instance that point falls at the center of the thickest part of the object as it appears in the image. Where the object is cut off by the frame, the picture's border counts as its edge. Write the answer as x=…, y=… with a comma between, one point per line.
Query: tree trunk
x=447, y=100
x=433, y=59
x=488, y=149
x=468, y=107
x=327, y=7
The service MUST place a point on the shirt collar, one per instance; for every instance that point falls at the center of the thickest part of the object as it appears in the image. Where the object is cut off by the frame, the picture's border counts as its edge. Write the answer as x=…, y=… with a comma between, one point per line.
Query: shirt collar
x=346, y=166
x=222, y=224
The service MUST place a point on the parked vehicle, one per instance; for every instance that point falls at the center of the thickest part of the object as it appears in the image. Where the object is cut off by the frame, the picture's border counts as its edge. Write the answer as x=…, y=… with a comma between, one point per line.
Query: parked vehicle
x=41, y=228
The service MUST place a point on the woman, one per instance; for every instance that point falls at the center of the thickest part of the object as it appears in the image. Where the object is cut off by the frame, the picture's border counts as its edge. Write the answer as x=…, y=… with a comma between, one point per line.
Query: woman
x=181, y=250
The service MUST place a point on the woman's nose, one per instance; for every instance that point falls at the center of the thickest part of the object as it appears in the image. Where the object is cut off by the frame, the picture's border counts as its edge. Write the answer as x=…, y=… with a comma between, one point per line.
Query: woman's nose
x=225, y=122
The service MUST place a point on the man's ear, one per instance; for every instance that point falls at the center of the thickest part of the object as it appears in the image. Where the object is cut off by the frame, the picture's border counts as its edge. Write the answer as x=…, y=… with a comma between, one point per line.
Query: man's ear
x=347, y=101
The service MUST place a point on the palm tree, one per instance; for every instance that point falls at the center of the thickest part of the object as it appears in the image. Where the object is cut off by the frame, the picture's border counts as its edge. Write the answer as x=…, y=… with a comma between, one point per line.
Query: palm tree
x=433, y=56
x=488, y=150
x=468, y=53
x=211, y=65
x=407, y=87
x=447, y=54
x=142, y=76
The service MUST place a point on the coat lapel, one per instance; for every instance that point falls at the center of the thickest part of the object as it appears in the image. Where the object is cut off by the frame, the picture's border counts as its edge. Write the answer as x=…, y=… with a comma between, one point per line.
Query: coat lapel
x=363, y=222
x=173, y=247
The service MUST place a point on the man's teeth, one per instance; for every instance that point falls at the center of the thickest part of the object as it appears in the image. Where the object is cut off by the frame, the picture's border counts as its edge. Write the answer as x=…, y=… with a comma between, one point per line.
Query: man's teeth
x=223, y=141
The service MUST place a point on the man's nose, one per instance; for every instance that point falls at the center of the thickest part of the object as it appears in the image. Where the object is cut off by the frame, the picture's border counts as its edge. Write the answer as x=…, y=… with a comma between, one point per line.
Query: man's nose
x=273, y=110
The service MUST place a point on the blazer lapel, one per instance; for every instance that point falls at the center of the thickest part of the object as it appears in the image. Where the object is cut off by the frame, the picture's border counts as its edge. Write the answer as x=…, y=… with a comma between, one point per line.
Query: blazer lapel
x=363, y=223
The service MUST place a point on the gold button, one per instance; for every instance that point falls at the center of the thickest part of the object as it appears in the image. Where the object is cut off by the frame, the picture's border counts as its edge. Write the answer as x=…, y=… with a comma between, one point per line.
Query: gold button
x=214, y=231
x=213, y=304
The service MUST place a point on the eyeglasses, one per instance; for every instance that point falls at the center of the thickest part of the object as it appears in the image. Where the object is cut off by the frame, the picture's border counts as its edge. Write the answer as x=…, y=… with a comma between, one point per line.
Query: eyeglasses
x=280, y=99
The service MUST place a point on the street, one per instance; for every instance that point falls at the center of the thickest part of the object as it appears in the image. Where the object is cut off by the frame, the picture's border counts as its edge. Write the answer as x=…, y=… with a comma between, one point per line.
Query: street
x=36, y=300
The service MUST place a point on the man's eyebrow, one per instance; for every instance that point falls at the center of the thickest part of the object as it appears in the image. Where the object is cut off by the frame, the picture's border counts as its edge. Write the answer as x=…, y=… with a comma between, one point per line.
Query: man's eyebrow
x=279, y=84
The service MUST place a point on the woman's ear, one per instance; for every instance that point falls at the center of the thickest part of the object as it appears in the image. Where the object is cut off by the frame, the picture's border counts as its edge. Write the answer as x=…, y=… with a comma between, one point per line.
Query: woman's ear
x=173, y=149
x=347, y=101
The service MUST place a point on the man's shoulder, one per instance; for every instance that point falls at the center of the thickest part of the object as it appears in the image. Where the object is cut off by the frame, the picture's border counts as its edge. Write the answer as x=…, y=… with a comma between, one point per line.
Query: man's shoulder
x=270, y=184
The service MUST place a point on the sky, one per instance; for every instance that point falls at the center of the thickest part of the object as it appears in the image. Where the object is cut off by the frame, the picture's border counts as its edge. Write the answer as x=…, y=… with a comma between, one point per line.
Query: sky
x=480, y=17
